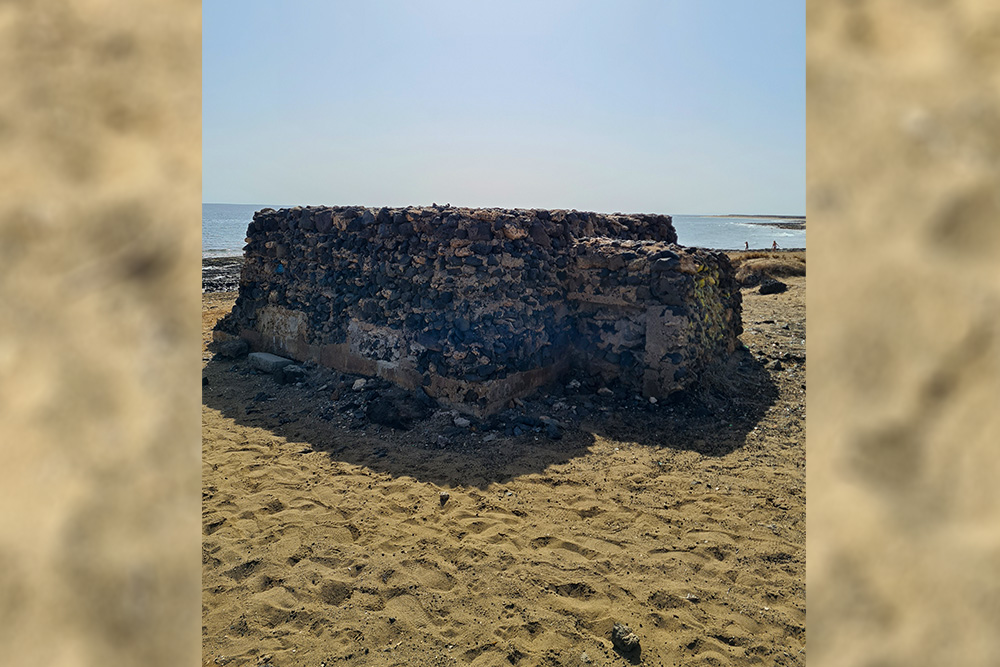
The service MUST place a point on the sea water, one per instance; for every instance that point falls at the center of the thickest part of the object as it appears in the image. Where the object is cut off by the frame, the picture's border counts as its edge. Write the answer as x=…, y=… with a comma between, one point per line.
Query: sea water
x=731, y=233
x=224, y=229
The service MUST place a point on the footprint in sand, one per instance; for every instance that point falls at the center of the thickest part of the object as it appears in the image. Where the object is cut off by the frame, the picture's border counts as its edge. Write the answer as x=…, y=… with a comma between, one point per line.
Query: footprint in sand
x=549, y=542
x=243, y=570
x=428, y=575
x=408, y=609
x=333, y=592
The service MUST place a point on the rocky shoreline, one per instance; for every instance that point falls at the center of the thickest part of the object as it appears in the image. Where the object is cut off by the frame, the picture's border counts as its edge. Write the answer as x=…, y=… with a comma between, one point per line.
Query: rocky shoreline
x=221, y=274
x=776, y=221
x=790, y=224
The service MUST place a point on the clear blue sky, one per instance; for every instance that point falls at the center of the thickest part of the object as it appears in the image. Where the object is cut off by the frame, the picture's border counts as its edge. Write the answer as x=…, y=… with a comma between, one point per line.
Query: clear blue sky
x=653, y=106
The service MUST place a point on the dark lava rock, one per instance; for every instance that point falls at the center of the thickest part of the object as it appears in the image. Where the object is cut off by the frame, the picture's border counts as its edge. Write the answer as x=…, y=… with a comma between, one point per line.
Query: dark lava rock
x=480, y=232
x=665, y=263
x=397, y=409
x=623, y=638
x=289, y=374
x=772, y=286
x=539, y=236
x=231, y=349
x=430, y=341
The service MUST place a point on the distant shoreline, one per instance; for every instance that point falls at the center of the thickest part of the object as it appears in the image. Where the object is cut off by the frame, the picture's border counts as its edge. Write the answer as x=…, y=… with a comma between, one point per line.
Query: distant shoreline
x=777, y=221
x=766, y=217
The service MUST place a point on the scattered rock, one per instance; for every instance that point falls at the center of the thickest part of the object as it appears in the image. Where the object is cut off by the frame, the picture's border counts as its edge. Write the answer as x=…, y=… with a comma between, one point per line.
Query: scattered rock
x=397, y=410
x=604, y=391
x=623, y=638
x=462, y=422
x=289, y=374
x=772, y=286
x=443, y=497
x=359, y=384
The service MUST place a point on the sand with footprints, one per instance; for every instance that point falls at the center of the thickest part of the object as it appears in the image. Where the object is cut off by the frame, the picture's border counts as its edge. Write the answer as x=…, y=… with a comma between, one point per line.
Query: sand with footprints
x=327, y=542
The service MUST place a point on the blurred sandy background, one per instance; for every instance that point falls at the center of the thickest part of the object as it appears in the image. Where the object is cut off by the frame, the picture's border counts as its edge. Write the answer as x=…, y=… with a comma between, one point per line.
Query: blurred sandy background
x=903, y=547
x=100, y=156
x=99, y=303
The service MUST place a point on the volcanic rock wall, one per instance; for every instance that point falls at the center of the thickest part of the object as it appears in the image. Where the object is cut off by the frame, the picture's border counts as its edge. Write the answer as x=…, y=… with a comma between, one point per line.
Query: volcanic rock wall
x=482, y=305
x=651, y=314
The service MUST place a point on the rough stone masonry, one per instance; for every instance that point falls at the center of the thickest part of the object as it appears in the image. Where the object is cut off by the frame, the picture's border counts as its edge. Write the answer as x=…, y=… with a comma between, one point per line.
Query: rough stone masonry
x=480, y=306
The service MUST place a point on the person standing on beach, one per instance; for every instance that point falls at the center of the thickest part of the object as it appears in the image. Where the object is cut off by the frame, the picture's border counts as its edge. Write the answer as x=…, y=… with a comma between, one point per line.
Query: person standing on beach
x=746, y=245
x=774, y=245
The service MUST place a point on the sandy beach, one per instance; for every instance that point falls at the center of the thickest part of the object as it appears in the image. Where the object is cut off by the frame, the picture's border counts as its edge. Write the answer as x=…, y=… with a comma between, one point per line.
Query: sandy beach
x=332, y=540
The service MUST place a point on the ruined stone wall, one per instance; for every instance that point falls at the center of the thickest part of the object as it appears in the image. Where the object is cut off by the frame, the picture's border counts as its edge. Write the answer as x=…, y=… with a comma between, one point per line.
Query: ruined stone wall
x=651, y=314
x=482, y=305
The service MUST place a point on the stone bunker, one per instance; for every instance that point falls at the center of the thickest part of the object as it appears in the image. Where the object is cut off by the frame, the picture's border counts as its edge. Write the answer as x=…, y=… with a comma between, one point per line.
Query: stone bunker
x=481, y=306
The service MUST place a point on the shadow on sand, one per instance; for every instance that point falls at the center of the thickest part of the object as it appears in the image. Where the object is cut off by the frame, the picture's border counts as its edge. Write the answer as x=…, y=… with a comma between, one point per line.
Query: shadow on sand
x=712, y=420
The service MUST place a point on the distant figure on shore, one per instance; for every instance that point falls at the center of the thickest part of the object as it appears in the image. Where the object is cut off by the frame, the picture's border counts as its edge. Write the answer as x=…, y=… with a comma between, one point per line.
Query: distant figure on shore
x=746, y=245
x=774, y=245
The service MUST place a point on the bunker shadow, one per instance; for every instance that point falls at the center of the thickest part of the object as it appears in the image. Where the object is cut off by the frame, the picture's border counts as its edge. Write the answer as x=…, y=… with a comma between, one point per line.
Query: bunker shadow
x=712, y=420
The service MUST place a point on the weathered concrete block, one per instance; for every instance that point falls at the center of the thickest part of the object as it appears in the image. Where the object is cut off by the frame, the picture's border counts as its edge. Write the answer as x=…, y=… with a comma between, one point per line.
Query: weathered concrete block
x=267, y=362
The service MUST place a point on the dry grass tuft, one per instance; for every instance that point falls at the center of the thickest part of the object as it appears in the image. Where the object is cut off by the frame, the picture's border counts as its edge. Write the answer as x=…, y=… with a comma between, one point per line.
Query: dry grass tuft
x=753, y=265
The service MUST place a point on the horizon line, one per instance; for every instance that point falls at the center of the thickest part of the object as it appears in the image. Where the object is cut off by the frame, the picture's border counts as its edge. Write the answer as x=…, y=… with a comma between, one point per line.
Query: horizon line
x=524, y=208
